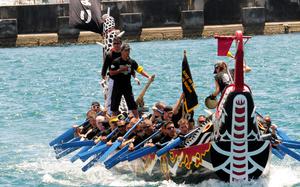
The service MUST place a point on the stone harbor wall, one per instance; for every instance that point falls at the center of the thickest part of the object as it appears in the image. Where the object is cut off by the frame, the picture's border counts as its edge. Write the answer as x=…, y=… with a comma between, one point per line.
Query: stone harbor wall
x=134, y=16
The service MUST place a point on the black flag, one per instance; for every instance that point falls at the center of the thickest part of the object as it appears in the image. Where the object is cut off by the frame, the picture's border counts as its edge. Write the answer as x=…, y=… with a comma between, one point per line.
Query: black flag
x=86, y=15
x=191, y=98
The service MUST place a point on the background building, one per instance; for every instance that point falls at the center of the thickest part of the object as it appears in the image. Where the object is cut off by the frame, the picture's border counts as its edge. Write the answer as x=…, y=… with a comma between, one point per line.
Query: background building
x=31, y=2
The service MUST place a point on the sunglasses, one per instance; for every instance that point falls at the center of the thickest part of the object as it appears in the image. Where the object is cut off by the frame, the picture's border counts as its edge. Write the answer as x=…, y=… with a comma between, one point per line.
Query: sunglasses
x=96, y=106
x=170, y=128
x=123, y=126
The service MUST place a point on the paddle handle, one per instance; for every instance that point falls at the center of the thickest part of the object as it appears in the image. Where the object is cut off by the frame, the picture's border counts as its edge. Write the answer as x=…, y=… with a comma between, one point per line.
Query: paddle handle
x=147, y=139
x=174, y=143
x=114, y=146
x=144, y=152
x=133, y=127
x=121, y=155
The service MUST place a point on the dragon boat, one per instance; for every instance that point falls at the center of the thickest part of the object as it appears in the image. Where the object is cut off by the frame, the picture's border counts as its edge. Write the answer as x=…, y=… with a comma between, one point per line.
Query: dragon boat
x=230, y=147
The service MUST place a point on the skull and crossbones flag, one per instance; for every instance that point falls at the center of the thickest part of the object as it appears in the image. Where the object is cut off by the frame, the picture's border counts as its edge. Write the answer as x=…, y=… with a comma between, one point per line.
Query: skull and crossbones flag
x=86, y=15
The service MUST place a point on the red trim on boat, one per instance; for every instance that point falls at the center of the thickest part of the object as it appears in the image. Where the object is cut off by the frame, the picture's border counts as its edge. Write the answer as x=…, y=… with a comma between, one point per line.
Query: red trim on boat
x=239, y=166
x=238, y=173
x=239, y=151
x=239, y=135
x=239, y=158
x=239, y=128
x=240, y=119
x=240, y=110
x=239, y=144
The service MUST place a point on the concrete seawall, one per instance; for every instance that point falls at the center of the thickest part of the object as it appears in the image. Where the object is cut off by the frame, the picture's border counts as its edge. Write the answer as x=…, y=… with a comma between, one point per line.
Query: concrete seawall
x=163, y=33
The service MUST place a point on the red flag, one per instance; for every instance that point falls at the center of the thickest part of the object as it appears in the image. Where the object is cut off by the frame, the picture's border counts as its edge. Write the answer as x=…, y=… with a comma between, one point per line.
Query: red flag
x=224, y=45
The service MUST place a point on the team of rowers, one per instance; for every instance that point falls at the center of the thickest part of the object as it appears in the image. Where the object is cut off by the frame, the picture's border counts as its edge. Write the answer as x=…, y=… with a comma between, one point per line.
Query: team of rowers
x=171, y=121
x=167, y=119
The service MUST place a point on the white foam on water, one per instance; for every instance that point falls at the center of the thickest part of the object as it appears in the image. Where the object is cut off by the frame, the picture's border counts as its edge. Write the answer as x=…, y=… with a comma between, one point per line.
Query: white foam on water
x=63, y=172
x=50, y=180
x=284, y=174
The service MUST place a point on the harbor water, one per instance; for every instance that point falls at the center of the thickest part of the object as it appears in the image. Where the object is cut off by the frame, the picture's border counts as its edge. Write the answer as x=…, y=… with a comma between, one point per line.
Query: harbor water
x=45, y=90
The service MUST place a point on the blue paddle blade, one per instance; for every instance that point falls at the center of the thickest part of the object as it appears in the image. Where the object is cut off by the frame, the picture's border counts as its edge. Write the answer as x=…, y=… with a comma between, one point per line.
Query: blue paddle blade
x=140, y=154
x=136, y=152
x=117, y=155
x=291, y=141
x=124, y=156
x=119, y=159
x=65, y=137
x=282, y=134
x=174, y=143
x=85, y=149
x=76, y=144
x=93, y=161
x=112, y=148
x=82, y=150
x=84, y=156
x=277, y=153
x=291, y=145
x=59, y=150
x=289, y=152
x=66, y=152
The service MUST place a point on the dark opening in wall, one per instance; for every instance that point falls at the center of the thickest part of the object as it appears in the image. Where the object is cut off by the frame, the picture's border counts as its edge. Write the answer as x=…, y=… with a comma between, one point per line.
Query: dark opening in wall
x=284, y=10
x=222, y=12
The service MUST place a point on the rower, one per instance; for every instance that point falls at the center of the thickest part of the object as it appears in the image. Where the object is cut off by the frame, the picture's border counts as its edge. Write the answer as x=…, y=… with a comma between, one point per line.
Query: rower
x=168, y=114
x=268, y=128
x=84, y=132
x=183, y=126
x=158, y=111
x=119, y=135
x=179, y=112
x=201, y=121
x=169, y=132
x=112, y=125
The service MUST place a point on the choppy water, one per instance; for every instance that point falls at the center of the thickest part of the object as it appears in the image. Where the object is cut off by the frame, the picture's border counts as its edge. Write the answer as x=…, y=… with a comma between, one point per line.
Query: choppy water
x=44, y=90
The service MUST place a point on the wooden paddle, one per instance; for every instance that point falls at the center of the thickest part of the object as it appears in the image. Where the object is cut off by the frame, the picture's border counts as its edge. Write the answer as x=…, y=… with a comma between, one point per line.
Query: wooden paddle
x=140, y=100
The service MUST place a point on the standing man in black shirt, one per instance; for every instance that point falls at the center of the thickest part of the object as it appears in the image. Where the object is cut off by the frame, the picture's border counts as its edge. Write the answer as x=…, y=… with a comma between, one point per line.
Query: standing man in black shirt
x=114, y=53
x=120, y=71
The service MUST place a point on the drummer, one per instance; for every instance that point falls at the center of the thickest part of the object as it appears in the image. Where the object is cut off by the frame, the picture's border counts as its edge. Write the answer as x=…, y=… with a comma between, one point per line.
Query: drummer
x=222, y=78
